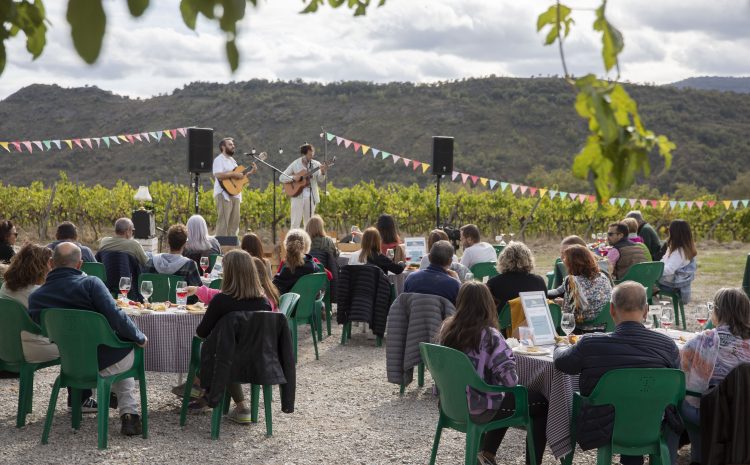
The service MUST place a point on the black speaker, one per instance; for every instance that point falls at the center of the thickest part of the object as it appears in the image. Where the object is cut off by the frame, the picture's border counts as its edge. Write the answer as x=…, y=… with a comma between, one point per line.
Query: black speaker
x=442, y=155
x=228, y=240
x=200, y=150
x=143, y=221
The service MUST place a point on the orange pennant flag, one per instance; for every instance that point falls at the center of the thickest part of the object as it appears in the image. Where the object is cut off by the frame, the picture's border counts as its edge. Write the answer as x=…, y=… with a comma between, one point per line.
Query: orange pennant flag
x=5, y=145
x=425, y=167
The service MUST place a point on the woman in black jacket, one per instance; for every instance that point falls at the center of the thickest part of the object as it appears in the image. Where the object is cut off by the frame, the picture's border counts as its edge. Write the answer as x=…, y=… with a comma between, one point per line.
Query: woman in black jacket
x=297, y=261
x=515, y=265
x=371, y=254
x=241, y=291
x=8, y=235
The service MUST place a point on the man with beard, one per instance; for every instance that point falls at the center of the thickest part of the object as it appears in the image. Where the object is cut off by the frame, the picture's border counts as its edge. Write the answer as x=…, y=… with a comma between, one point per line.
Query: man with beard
x=227, y=206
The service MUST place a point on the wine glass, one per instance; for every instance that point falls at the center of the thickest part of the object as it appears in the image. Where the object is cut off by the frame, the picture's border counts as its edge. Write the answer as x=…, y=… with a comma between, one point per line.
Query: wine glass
x=502, y=238
x=511, y=235
x=654, y=313
x=701, y=316
x=204, y=264
x=390, y=253
x=710, y=307
x=124, y=287
x=181, y=295
x=568, y=323
x=666, y=317
x=498, y=238
x=147, y=290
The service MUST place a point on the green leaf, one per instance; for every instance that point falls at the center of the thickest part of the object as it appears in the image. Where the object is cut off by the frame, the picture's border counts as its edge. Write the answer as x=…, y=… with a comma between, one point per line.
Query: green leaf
x=612, y=42
x=556, y=23
x=87, y=21
x=233, y=55
x=189, y=13
x=137, y=7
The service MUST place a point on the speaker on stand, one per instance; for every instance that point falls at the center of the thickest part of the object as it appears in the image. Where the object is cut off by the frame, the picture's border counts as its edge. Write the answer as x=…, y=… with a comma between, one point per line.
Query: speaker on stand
x=200, y=156
x=442, y=164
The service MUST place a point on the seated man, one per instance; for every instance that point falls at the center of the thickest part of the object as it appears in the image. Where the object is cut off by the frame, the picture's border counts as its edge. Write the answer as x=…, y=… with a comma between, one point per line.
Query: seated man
x=475, y=251
x=173, y=263
x=437, y=279
x=67, y=287
x=631, y=345
x=623, y=253
x=123, y=241
x=67, y=232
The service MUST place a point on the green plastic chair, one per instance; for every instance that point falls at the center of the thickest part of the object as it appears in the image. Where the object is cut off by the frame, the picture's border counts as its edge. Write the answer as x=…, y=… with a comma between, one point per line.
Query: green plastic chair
x=498, y=248
x=480, y=270
x=503, y=317
x=453, y=372
x=324, y=302
x=223, y=407
x=746, y=277
x=287, y=303
x=215, y=284
x=161, y=286
x=15, y=320
x=639, y=396
x=307, y=287
x=173, y=280
x=78, y=334
x=677, y=305
x=557, y=275
x=646, y=273
x=95, y=269
x=604, y=318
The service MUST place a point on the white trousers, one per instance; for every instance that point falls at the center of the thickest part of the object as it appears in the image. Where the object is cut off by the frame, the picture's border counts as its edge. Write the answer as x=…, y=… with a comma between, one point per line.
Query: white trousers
x=125, y=388
x=301, y=210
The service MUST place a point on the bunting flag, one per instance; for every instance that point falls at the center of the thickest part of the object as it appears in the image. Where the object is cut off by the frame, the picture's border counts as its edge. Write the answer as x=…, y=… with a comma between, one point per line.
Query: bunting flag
x=414, y=164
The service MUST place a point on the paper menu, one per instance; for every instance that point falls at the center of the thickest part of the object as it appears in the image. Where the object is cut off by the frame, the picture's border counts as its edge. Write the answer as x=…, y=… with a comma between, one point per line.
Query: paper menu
x=415, y=248
x=538, y=316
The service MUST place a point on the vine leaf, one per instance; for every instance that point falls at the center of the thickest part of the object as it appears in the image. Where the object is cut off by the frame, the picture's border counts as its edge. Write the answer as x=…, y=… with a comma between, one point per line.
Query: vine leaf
x=550, y=18
x=612, y=42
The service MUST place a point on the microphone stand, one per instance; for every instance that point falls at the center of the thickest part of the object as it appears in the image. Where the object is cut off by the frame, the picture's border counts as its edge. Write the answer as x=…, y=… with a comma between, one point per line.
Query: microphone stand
x=273, y=222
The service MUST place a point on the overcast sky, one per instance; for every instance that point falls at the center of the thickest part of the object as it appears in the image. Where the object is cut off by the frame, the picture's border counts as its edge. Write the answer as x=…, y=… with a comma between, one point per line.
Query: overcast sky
x=405, y=40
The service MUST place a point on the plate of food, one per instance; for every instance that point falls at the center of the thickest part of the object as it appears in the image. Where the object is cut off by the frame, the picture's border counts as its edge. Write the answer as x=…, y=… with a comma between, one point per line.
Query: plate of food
x=572, y=339
x=532, y=350
x=197, y=307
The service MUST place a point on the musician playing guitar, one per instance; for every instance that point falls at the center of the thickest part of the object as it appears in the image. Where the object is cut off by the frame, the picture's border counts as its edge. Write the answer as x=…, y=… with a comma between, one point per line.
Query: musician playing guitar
x=303, y=204
x=227, y=206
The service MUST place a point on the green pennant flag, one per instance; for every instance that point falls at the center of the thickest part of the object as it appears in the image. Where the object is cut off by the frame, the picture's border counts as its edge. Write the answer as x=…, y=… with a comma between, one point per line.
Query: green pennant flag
x=745, y=202
x=621, y=201
x=106, y=140
x=563, y=195
x=47, y=144
x=330, y=136
x=385, y=155
x=503, y=185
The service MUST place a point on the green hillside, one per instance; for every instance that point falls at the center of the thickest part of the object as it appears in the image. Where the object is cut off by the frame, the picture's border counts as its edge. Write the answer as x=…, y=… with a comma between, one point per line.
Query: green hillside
x=504, y=128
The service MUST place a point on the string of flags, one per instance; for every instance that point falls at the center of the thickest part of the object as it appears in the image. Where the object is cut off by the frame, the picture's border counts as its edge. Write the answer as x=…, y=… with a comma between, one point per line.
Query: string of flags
x=417, y=165
x=92, y=143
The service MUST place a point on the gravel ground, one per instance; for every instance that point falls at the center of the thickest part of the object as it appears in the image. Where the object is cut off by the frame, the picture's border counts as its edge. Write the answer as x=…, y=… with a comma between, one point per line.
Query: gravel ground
x=345, y=412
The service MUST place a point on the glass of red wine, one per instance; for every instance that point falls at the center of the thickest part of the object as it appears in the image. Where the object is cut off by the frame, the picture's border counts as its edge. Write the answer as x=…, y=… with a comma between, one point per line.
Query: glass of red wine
x=666, y=317
x=701, y=316
x=204, y=264
x=124, y=287
x=181, y=295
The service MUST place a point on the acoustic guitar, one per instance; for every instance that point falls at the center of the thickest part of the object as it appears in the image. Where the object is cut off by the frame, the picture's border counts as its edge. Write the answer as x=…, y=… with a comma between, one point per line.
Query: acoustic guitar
x=235, y=186
x=295, y=188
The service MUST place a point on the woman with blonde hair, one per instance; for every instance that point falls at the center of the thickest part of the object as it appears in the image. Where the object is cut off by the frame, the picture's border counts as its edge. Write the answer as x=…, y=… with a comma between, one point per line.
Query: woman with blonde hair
x=515, y=265
x=319, y=241
x=371, y=254
x=272, y=294
x=297, y=261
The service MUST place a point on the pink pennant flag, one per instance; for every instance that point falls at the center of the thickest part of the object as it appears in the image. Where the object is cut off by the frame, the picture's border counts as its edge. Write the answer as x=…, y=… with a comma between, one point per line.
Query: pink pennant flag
x=532, y=191
x=88, y=142
x=699, y=203
x=415, y=164
x=173, y=132
x=39, y=145
x=581, y=198
x=137, y=137
x=631, y=202
x=78, y=143
x=711, y=203
x=690, y=204
x=28, y=146
x=17, y=145
x=145, y=136
x=592, y=199
x=513, y=188
x=357, y=145
x=572, y=196
x=339, y=140
x=644, y=202
x=406, y=161
x=474, y=179
x=347, y=143
x=654, y=203
x=182, y=131
x=395, y=158
x=464, y=177
x=524, y=189
x=130, y=138
x=454, y=175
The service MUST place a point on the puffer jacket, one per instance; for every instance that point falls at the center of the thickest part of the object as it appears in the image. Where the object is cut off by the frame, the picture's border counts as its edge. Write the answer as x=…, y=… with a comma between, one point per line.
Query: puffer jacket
x=413, y=318
x=725, y=425
x=364, y=294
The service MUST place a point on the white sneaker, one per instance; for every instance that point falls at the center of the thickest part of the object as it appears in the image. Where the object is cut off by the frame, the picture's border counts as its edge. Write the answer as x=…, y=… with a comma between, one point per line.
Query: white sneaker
x=241, y=416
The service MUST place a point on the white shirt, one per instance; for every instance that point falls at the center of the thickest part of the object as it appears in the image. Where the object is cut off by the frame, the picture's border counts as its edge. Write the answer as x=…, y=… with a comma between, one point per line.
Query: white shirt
x=354, y=259
x=301, y=164
x=481, y=252
x=673, y=261
x=222, y=164
x=426, y=261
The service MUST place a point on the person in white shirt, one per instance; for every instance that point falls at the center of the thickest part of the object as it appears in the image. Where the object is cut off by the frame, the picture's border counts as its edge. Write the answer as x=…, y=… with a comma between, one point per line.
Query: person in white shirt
x=303, y=205
x=475, y=251
x=227, y=206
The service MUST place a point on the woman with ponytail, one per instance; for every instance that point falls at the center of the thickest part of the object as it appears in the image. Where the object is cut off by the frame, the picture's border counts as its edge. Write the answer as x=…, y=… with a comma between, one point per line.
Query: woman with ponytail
x=296, y=262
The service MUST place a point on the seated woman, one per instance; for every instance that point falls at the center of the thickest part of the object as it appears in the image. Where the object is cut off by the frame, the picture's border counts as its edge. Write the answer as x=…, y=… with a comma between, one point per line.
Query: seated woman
x=8, y=236
x=585, y=289
x=514, y=264
x=440, y=235
x=679, y=260
x=319, y=241
x=297, y=261
x=241, y=291
x=709, y=357
x=199, y=243
x=633, y=236
x=371, y=254
x=473, y=330
x=388, y=231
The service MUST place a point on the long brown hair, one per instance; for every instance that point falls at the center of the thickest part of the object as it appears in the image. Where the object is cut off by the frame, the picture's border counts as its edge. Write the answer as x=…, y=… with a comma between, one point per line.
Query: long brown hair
x=680, y=237
x=315, y=227
x=297, y=244
x=436, y=235
x=272, y=293
x=28, y=267
x=252, y=245
x=580, y=262
x=370, y=244
x=475, y=311
x=732, y=308
x=240, y=277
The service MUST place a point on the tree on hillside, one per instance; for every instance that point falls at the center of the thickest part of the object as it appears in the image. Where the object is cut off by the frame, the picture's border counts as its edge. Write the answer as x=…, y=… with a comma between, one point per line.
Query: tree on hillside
x=739, y=188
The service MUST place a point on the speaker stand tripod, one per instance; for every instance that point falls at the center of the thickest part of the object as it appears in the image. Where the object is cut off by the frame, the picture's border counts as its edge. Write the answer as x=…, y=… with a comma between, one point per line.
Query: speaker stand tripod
x=437, y=200
x=196, y=184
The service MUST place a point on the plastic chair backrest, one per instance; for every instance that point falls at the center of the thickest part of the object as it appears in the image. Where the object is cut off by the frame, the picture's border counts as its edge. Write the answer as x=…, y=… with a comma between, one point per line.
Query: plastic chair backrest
x=287, y=302
x=161, y=286
x=561, y=272
x=604, y=318
x=746, y=277
x=503, y=316
x=556, y=313
x=639, y=396
x=211, y=261
x=95, y=269
x=15, y=319
x=480, y=270
x=308, y=287
x=77, y=334
x=215, y=284
x=498, y=249
x=645, y=273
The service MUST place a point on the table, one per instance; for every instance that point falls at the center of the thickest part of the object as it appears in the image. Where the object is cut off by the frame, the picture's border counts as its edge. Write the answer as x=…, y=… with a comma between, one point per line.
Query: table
x=170, y=336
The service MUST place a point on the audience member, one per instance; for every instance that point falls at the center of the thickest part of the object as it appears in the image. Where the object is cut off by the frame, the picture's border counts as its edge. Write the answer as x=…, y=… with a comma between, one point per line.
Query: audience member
x=252, y=244
x=633, y=236
x=371, y=254
x=569, y=241
x=174, y=263
x=585, y=290
x=440, y=235
x=123, y=241
x=623, y=253
x=319, y=241
x=473, y=331
x=648, y=234
x=199, y=243
x=389, y=237
x=67, y=232
x=679, y=260
x=631, y=345
x=709, y=357
x=67, y=287
x=297, y=261
x=436, y=279
x=269, y=289
x=475, y=251
x=8, y=236
x=515, y=265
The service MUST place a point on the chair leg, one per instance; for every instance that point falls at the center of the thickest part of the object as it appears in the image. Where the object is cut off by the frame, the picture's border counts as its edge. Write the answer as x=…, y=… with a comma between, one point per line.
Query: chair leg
x=604, y=455
x=312, y=331
x=25, y=394
x=420, y=374
x=216, y=417
x=317, y=315
x=329, y=313
x=144, y=401
x=186, y=395
x=267, y=397
x=75, y=403
x=682, y=313
x=294, y=338
x=530, y=442
x=346, y=327
x=436, y=443
x=472, y=445
x=102, y=415
x=51, y=410
x=676, y=310
x=254, y=400
x=401, y=389
x=378, y=341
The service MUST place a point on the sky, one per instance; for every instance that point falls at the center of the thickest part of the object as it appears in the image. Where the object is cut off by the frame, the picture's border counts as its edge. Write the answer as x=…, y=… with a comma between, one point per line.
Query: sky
x=405, y=40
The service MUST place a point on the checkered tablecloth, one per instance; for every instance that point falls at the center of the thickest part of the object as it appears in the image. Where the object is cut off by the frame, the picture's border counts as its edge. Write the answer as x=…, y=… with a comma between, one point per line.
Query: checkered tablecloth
x=539, y=374
x=169, y=338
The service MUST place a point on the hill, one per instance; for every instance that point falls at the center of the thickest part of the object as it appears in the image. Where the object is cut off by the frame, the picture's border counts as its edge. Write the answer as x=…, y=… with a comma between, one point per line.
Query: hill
x=720, y=83
x=505, y=128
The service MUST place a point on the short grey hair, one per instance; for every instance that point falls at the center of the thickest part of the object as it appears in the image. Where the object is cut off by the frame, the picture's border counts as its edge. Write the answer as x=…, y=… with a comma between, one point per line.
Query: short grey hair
x=629, y=296
x=122, y=226
x=66, y=255
x=515, y=257
x=636, y=214
x=441, y=253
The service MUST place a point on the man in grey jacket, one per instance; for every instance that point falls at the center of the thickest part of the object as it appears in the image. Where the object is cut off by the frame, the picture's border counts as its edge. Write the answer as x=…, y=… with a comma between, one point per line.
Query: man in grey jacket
x=173, y=263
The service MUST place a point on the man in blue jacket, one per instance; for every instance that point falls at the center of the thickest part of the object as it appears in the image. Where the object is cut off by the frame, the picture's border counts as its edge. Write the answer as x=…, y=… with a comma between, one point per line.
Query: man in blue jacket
x=67, y=287
x=438, y=278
